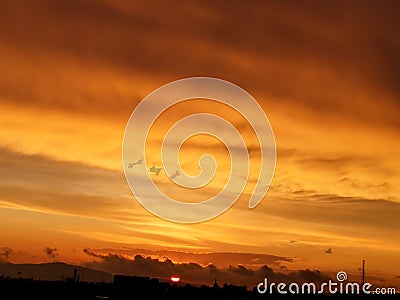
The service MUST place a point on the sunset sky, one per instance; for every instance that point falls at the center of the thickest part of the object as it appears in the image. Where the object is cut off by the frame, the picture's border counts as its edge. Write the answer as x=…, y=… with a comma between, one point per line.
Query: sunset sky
x=325, y=73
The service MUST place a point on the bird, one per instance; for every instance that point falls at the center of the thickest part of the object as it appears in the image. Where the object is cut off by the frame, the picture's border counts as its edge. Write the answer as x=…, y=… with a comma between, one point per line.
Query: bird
x=138, y=162
x=292, y=241
x=329, y=251
x=153, y=169
x=176, y=174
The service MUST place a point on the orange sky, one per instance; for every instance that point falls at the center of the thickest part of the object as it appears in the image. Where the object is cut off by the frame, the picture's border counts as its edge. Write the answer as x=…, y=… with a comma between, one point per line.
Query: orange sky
x=327, y=76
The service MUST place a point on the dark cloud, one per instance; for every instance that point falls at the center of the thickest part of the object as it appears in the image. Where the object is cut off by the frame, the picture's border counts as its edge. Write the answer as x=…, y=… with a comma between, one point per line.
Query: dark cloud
x=294, y=52
x=6, y=252
x=367, y=218
x=23, y=166
x=51, y=252
x=359, y=185
x=336, y=162
x=37, y=180
x=343, y=165
x=193, y=272
x=221, y=259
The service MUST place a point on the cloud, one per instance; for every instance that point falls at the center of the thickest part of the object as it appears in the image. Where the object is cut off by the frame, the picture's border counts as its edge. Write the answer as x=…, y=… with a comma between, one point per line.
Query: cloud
x=335, y=162
x=356, y=184
x=221, y=259
x=375, y=218
x=66, y=93
x=193, y=272
x=51, y=252
x=35, y=181
x=273, y=55
x=6, y=252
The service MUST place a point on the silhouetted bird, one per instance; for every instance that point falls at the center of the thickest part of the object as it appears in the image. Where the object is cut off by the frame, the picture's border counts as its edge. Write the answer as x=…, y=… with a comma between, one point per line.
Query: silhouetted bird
x=176, y=174
x=138, y=162
x=329, y=251
x=292, y=241
x=153, y=169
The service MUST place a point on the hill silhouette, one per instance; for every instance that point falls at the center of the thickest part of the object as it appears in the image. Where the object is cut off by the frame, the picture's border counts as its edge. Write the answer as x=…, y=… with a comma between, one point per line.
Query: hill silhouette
x=52, y=272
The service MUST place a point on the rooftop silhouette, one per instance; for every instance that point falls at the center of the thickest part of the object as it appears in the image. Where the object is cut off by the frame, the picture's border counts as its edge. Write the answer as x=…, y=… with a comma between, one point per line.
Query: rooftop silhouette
x=138, y=287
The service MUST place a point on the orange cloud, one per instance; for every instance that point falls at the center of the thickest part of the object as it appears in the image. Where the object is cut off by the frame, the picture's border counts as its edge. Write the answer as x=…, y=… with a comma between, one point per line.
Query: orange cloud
x=327, y=76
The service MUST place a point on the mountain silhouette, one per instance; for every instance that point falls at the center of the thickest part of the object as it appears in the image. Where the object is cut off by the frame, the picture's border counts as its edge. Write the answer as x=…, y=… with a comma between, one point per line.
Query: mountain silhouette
x=52, y=271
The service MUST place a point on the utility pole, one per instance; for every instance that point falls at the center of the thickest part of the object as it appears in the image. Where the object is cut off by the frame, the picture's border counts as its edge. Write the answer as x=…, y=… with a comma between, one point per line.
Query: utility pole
x=363, y=273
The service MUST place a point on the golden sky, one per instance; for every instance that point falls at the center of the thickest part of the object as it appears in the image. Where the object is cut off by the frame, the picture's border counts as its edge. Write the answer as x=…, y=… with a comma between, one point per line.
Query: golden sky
x=326, y=74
